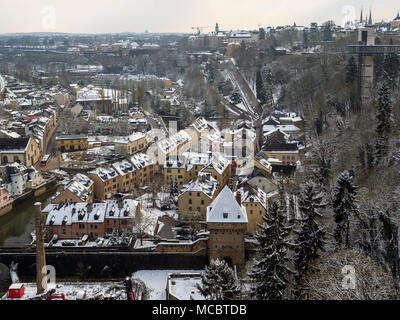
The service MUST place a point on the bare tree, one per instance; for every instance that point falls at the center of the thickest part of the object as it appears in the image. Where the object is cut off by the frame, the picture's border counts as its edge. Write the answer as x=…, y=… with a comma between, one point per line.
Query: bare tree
x=325, y=278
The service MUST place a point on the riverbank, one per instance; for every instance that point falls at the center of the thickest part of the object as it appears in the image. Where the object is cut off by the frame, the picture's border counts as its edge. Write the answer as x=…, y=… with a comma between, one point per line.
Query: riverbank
x=17, y=225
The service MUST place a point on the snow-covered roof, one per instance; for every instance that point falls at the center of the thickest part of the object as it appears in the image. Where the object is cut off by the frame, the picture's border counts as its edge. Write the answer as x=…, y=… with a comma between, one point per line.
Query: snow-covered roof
x=141, y=160
x=200, y=124
x=219, y=163
x=204, y=183
x=133, y=137
x=123, y=167
x=282, y=127
x=226, y=209
x=183, y=286
x=79, y=185
x=105, y=174
x=68, y=213
x=170, y=144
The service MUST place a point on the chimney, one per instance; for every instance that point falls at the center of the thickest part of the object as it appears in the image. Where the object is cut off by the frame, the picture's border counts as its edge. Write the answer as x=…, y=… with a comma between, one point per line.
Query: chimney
x=239, y=198
x=41, y=278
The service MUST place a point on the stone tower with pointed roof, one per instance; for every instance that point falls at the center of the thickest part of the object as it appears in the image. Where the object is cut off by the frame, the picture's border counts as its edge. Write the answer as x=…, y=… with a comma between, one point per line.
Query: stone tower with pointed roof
x=227, y=224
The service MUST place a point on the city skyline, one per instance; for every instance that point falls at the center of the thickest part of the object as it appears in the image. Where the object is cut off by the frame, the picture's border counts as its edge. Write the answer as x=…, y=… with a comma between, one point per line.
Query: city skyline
x=178, y=16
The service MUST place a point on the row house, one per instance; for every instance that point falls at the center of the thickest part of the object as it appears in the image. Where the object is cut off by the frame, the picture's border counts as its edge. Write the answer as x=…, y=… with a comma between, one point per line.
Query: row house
x=122, y=176
x=74, y=220
x=254, y=200
x=197, y=195
x=106, y=182
x=71, y=143
x=78, y=189
x=25, y=151
x=185, y=168
x=130, y=145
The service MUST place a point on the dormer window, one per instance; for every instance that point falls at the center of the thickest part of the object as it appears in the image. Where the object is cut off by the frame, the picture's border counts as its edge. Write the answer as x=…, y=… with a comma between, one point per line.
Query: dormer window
x=226, y=215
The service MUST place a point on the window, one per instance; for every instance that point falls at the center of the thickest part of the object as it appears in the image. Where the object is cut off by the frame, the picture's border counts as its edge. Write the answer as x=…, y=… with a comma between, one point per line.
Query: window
x=225, y=215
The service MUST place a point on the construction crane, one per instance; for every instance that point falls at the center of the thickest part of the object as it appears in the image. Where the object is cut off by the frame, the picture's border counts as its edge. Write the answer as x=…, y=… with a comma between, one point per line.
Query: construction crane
x=199, y=29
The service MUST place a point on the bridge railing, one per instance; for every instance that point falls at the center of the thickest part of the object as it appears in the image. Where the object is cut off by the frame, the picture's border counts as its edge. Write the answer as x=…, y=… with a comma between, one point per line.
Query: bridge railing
x=373, y=49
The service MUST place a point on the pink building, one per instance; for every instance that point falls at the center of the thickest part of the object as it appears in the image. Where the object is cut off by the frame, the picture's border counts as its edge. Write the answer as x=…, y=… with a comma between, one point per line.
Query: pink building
x=5, y=201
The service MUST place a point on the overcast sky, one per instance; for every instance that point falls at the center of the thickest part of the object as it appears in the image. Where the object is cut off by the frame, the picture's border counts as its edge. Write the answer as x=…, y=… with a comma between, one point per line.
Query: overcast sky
x=111, y=16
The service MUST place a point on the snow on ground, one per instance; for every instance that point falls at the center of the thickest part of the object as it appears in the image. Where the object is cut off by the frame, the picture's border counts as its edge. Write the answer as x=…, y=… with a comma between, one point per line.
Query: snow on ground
x=146, y=200
x=105, y=150
x=241, y=106
x=79, y=290
x=156, y=281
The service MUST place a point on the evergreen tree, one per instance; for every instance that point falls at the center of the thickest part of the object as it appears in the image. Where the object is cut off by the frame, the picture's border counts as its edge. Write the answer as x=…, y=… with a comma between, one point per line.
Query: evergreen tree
x=218, y=282
x=261, y=34
x=310, y=238
x=369, y=150
x=383, y=117
x=391, y=240
x=351, y=70
x=270, y=272
x=323, y=171
x=344, y=206
x=114, y=238
x=260, y=88
x=391, y=65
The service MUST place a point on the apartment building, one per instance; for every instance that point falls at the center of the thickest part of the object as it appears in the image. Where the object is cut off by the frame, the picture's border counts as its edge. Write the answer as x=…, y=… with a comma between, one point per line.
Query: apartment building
x=106, y=182
x=197, y=195
x=130, y=145
x=78, y=189
x=71, y=143
x=25, y=151
x=74, y=220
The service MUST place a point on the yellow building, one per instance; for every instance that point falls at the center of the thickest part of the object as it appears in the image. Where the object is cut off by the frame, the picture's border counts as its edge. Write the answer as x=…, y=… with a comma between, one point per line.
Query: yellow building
x=184, y=168
x=255, y=165
x=131, y=145
x=255, y=203
x=127, y=175
x=220, y=169
x=25, y=151
x=70, y=143
x=106, y=182
x=279, y=149
x=145, y=168
x=80, y=189
x=175, y=172
x=197, y=195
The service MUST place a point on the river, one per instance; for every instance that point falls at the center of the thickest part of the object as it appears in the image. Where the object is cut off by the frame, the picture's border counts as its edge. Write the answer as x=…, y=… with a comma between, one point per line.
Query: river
x=17, y=225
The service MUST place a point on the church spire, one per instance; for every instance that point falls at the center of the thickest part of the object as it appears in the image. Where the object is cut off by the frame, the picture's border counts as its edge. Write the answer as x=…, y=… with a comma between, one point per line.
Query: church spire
x=361, y=16
x=370, y=17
